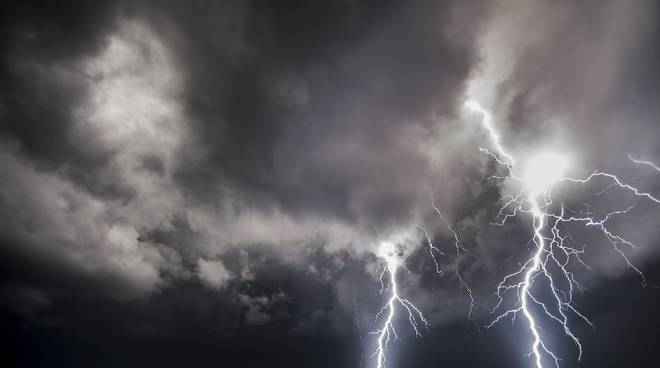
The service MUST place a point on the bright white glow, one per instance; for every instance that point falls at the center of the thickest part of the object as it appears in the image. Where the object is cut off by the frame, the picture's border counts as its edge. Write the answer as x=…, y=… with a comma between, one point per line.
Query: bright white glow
x=555, y=250
x=543, y=289
x=393, y=258
x=543, y=170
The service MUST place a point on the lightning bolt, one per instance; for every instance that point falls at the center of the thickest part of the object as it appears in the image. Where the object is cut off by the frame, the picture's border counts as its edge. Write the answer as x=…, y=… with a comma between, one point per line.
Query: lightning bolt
x=460, y=249
x=643, y=162
x=554, y=250
x=554, y=247
x=393, y=261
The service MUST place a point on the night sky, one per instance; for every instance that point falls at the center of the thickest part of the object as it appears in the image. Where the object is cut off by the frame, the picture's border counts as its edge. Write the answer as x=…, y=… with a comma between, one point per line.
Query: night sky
x=210, y=183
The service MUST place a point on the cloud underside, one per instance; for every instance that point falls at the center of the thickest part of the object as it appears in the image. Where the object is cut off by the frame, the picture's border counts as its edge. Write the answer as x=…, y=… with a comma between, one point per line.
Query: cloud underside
x=230, y=146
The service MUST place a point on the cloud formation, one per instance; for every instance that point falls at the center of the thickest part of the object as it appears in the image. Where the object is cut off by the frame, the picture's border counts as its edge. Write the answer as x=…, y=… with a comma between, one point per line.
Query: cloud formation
x=242, y=161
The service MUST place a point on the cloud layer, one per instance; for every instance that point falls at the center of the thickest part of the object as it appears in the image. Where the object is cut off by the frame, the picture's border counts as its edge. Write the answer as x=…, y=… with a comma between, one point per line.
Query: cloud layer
x=242, y=161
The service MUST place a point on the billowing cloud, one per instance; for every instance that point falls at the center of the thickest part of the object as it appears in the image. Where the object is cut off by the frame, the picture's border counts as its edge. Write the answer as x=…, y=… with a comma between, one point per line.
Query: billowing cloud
x=235, y=165
x=212, y=273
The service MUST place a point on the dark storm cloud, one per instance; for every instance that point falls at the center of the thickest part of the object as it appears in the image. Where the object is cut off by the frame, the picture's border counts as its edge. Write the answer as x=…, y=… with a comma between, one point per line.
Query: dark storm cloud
x=583, y=80
x=583, y=71
x=203, y=182
x=142, y=142
x=304, y=105
x=43, y=85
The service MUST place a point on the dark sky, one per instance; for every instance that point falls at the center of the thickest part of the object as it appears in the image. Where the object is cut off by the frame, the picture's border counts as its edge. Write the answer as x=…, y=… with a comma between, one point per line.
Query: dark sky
x=209, y=183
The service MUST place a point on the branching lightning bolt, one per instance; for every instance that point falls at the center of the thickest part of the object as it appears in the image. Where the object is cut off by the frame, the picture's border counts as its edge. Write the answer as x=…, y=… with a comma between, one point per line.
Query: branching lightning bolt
x=554, y=248
x=392, y=263
x=460, y=249
x=554, y=251
x=388, y=278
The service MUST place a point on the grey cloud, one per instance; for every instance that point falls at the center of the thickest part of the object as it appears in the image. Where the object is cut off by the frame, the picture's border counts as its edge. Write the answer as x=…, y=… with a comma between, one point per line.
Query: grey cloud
x=225, y=170
x=307, y=113
x=581, y=72
x=44, y=84
x=258, y=307
x=212, y=273
x=581, y=80
x=54, y=218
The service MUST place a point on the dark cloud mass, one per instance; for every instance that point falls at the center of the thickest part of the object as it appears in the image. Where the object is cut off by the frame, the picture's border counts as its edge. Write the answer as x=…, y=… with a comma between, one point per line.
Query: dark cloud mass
x=207, y=183
x=286, y=98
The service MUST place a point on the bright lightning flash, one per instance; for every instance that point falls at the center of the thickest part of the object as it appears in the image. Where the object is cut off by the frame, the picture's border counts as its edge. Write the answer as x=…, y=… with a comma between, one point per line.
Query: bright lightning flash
x=554, y=248
x=393, y=261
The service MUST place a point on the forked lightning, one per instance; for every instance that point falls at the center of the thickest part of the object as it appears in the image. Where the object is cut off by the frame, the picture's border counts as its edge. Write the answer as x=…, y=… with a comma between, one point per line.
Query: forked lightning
x=544, y=283
x=393, y=261
x=547, y=268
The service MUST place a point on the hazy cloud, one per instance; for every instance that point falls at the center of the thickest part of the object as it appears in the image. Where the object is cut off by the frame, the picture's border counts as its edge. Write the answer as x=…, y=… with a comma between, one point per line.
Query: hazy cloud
x=228, y=169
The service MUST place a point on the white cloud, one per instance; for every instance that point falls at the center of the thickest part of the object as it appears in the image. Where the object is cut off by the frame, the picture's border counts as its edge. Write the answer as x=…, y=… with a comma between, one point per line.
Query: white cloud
x=213, y=273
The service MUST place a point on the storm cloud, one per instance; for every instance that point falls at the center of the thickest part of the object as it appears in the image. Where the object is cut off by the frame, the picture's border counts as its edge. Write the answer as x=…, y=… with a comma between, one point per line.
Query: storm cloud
x=200, y=175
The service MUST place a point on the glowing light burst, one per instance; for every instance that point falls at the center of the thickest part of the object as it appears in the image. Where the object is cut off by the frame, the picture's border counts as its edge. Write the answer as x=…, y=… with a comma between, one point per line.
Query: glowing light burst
x=548, y=266
x=393, y=262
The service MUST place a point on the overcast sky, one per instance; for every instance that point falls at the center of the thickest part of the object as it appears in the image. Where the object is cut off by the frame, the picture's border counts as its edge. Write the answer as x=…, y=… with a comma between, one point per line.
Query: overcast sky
x=207, y=183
